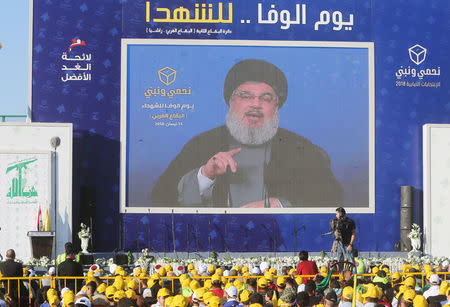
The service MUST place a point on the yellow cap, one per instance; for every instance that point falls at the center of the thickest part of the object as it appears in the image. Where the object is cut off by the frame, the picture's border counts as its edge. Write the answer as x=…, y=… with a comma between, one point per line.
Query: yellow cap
x=207, y=284
x=371, y=292
x=194, y=285
x=207, y=295
x=109, y=292
x=168, y=268
x=219, y=271
x=410, y=282
x=409, y=295
x=238, y=284
x=211, y=268
x=273, y=271
x=132, y=284
x=101, y=288
x=168, y=301
x=245, y=295
x=401, y=289
x=162, y=271
x=51, y=292
x=375, y=270
x=244, y=269
x=119, y=295
x=237, y=268
x=53, y=300
x=68, y=298
x=299, y=280
x=118, y=282
x=24, y=271
x=185, y=283
x=396, y=276
x=190, y=267
x=292, y=271
x=258, y=305
x=199, y=293
x=194, y=272
x=262, y=282
x=281, y=282
x=214, y=301
x=443, y=287
x=90, y=274
x=268, y=276
x=178, y=301
x=347, y=293
x=420, y=301
x=215, y=277
x=131, y=294
x=163, y=292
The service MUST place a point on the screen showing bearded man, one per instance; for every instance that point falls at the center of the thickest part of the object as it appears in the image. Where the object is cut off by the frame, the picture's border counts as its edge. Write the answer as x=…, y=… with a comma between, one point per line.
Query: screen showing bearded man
x=250, y=162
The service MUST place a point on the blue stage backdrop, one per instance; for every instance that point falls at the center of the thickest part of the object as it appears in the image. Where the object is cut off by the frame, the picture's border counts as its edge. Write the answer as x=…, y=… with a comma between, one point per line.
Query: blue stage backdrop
x=77, y=75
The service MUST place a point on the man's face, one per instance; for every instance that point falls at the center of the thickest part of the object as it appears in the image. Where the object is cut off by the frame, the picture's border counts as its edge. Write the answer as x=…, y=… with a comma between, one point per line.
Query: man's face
x=337, y=214
x=253, y=103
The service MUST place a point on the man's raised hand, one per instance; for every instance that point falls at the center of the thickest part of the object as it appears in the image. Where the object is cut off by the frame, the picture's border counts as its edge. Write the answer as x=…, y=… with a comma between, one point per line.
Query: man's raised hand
x=219, y=163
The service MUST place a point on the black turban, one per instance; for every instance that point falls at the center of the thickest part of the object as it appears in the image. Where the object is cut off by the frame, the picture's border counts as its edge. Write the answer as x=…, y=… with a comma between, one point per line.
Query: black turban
x=256, y=71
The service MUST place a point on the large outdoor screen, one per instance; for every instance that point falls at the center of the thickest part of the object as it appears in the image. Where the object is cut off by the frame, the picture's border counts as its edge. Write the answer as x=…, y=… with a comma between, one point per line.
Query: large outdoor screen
x=246, y=126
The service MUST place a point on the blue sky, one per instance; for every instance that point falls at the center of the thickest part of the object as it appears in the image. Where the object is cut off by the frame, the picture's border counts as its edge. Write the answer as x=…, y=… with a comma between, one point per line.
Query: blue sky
x=14, y=31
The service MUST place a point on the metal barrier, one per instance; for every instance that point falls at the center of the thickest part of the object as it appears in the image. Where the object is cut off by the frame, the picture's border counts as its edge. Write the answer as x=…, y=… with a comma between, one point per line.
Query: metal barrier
x=109, y=280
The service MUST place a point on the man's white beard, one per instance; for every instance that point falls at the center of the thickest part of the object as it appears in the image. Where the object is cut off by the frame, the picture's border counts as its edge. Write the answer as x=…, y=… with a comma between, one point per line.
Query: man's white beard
x=248, y=135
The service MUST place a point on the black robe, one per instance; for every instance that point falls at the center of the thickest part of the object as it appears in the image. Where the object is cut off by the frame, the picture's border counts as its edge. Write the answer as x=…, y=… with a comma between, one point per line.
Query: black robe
x=298, y=171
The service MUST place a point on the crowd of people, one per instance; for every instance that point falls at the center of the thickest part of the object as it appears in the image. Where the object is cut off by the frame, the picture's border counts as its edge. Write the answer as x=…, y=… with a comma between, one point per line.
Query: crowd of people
x=211, y=286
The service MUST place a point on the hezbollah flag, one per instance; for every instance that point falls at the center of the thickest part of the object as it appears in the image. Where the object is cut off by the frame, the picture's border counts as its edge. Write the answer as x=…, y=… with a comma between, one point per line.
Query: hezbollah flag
x=46, y=220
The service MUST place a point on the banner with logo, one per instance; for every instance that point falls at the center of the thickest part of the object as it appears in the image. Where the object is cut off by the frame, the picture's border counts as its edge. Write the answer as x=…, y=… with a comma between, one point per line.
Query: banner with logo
x=124, y=141
x=24, y=190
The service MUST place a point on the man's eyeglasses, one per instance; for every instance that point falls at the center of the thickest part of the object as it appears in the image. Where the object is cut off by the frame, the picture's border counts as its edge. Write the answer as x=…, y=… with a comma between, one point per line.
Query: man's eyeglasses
x=249, y=96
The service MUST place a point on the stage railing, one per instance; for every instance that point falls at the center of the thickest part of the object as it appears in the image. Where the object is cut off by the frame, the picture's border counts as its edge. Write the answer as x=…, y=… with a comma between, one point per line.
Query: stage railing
x=4, y=117
x=6, y=282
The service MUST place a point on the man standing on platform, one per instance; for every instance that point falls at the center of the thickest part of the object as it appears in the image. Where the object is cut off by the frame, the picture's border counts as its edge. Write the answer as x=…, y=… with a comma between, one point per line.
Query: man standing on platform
x=344, y=231
x=305, y=266
x=69, y=267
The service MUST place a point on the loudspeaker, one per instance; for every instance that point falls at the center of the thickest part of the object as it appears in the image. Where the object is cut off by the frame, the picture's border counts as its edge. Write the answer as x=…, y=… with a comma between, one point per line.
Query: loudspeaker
x=120, y=259
x=406, y=211
x=86, y=259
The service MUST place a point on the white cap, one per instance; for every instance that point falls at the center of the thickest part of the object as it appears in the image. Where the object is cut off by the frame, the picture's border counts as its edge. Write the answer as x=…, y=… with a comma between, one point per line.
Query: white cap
x=256, y=271
x=112, y=268
x=445, y=264
x=63, y=290
x=226, y=273
x=83, y=300
x=232, y=291
x=434, y=279
x=301, y=288
x=51, y=271
x=203, y=268
x=94, y=267
x=180, y=269
x=263, y=266
x=147, y=293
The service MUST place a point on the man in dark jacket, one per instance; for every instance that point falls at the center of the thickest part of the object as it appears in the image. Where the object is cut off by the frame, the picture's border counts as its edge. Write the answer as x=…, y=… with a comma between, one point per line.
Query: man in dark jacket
x=11, y=268
x=70, y=267
x=250, y=162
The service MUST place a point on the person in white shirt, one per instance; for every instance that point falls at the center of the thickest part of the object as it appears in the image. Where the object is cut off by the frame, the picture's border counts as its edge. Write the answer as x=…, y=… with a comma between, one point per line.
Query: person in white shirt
x=434, y=289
